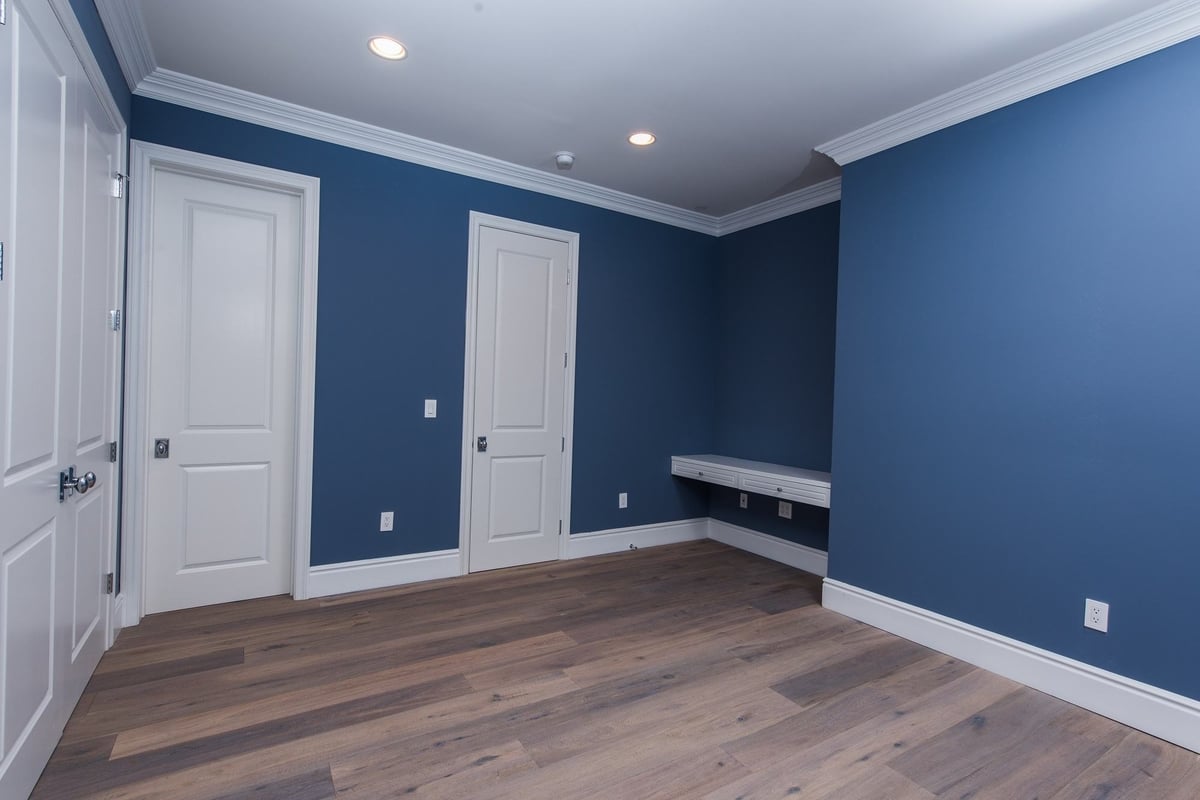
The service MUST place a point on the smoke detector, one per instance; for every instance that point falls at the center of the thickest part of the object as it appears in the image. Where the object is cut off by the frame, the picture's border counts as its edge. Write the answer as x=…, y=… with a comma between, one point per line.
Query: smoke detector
x=564, y=160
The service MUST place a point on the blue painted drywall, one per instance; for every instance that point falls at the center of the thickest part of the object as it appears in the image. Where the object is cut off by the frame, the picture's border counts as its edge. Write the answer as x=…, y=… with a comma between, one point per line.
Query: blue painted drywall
x=777, y=298
x=1017, y=404
x=97, y=37
x=390, y=332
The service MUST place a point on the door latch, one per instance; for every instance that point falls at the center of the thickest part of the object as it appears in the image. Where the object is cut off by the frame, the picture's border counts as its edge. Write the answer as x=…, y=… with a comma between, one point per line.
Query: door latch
x=69, y=482
x=481, y=444
x=162, y=448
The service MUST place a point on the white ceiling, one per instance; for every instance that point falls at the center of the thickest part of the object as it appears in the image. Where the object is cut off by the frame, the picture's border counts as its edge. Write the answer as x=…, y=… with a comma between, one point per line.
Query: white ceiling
x=739, y=93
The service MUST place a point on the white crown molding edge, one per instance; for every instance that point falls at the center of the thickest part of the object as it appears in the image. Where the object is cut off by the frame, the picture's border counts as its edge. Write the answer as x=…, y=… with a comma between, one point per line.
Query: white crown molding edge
x=810, y=197
x=1148, y=708
x=202, y=95
x=616, y=540
x=380, y=573
x=792, y=554
x=127, y=31
x=87, y=59
x=1158, y=28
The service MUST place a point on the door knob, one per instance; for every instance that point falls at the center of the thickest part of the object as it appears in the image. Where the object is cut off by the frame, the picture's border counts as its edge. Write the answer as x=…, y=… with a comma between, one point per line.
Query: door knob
x=162, y=448
x=481, y=444
x=69, y=482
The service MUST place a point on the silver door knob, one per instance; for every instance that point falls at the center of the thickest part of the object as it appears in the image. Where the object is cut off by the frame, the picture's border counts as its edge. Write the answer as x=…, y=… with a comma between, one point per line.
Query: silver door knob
x=481, y=444
x=69, y=482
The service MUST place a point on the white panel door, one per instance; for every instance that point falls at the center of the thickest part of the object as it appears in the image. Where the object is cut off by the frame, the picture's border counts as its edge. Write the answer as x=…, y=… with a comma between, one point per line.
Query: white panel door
x=224, y=297
x=520, y=385
x=58, y=225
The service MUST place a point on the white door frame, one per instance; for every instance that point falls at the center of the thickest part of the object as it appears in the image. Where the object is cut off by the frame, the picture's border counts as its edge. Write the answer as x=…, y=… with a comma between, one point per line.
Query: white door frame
x=480, y=220
x=146, y=159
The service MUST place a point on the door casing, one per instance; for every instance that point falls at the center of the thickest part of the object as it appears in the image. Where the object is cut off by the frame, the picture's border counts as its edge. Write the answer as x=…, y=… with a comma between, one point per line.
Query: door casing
x=146, y=159
x=479, y=220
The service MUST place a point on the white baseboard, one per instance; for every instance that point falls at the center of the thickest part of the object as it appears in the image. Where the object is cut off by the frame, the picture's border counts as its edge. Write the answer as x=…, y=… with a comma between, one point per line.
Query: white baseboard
x=795, y=555
x=379, y=573
x=1148, y=708
x=581, y=545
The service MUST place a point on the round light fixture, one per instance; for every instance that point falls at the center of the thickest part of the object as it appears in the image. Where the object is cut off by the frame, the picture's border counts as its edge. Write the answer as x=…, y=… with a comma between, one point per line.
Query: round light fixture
x=641, y=138
x=387, y=47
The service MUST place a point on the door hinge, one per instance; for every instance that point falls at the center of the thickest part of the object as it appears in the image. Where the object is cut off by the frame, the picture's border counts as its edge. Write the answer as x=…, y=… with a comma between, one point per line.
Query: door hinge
x=564, y=445
x=112, y=452
x=118, y=184
x=564, y=360
x=3, y=12
x=114, y=319
x=560, y=527
x=108, y=583
x=568, y=276
x=1, y=243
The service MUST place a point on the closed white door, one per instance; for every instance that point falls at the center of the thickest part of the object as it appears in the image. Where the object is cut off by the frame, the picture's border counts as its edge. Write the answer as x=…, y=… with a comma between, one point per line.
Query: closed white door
x=224, y=296
x=59, y=228
x=519, y=432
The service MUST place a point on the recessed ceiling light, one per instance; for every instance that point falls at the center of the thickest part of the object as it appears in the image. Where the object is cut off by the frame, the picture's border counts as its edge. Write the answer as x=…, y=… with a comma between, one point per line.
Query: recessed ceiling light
x=641, y=138
x=387, y=47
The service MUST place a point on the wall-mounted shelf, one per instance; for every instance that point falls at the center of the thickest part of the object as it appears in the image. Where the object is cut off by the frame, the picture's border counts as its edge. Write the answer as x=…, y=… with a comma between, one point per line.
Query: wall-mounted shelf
x=776, y=480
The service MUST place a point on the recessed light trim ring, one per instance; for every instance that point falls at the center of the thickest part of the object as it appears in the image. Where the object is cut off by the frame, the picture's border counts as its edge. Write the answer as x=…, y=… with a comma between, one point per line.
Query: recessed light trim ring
x=387, y=47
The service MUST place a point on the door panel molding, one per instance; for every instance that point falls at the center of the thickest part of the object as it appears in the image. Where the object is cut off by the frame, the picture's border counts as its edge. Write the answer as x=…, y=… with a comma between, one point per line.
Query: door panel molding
x=479, y=220
x=146, y=160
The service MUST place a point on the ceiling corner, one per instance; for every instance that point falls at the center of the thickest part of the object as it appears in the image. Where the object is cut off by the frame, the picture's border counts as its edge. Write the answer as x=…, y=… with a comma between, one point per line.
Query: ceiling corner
x=127, y=31
x=1158, y=28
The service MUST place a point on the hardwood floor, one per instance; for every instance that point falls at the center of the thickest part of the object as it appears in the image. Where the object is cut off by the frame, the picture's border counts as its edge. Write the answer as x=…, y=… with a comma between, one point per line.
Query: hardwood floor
x=687, y=671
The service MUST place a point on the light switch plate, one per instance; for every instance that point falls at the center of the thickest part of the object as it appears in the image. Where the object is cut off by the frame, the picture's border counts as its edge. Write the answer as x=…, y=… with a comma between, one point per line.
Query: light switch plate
x=623, y=500
x=430, y=409
x=785, y=509
x=743, y=500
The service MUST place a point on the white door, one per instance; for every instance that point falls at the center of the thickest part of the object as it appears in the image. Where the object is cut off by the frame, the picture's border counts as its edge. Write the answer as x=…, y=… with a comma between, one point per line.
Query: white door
x=59, y=225
x=225, y=261
x=521, y=336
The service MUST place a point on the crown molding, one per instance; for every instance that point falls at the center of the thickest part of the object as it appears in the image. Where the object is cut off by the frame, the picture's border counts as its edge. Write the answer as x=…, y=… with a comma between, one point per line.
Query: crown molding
x=127, y=31
x=810, y=197
x=1160, y=27
x=173, y=87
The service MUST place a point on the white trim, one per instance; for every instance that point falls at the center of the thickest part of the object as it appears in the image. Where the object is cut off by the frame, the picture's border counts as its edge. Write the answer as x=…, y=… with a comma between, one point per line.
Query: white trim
x=380, y=573
x=615, y=540
x=147, y=159
x=185, y=90
x=127, y=31
x=805, y=199
x=91, y=67
x=1156, y=711
x=1160, y=27
x=477, y=220
x=795, y=555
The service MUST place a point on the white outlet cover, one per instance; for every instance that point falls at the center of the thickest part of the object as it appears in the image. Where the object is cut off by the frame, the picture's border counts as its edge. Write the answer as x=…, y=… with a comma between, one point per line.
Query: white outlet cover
x=386, y=520
x=743, y=500
x=430, y=409
x=1095, y=615
x=623, y=500
x=785, y=509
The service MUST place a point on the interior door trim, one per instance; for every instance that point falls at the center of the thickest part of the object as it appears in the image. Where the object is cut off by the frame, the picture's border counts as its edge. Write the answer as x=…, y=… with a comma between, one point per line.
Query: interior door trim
x=480, y=220
x=146, y=160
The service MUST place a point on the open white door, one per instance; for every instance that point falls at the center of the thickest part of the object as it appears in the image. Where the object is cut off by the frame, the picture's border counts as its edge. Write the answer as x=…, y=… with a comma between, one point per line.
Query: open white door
x=523, y=312
x=59, y=224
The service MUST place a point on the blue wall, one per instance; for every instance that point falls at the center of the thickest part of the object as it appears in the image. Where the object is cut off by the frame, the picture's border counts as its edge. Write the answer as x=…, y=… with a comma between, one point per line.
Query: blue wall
x=93, y=29
x=390, y=332
x=777, y=295
x=1017, y=405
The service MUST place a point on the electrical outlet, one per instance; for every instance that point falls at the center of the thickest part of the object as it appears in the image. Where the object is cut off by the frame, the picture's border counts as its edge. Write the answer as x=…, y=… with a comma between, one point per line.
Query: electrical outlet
x=386, y=520
x=1095, y=615
x=743, y=500
x=785, y=509
x=623, y=500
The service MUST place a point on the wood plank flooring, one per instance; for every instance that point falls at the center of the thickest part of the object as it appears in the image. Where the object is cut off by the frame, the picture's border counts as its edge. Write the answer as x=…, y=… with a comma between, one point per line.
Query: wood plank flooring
x=686, y=671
